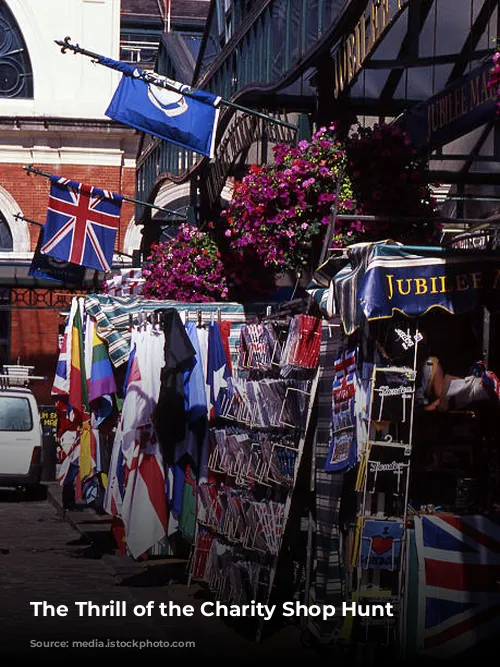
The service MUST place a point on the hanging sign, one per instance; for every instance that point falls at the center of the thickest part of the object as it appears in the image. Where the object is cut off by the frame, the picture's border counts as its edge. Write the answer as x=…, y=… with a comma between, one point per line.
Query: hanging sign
x=352, y=51
x=458, y=109
x=48, y=419
x=392, y=395
x=413, y=286
x=387, y=470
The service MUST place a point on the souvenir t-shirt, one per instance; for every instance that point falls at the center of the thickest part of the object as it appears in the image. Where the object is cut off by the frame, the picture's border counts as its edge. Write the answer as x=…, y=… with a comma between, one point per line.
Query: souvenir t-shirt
x=381, y=544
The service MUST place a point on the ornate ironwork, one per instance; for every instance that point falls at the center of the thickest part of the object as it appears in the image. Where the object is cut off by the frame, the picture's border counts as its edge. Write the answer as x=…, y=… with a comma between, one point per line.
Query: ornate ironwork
x=28, y=298
x=242, y=132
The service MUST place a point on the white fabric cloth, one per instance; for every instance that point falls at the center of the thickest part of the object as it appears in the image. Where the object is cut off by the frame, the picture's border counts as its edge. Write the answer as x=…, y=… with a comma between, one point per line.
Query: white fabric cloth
x=143, y=506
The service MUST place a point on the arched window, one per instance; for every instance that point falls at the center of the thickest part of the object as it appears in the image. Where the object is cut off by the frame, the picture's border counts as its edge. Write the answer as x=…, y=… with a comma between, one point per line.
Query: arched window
x=6, y=241
x=16, y=75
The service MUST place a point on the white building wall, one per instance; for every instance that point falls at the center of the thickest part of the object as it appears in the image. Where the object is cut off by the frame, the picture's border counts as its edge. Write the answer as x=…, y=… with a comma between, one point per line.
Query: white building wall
x=67, y=86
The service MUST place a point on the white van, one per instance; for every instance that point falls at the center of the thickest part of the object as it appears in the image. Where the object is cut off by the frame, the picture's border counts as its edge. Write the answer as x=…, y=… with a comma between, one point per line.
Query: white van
x=20, y=439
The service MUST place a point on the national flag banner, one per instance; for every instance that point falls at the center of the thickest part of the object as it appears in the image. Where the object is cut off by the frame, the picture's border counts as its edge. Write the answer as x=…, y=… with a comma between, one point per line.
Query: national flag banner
x=459, y=583
x=136, y=488
x=179, y=114
x=81, y=224
x=61, y=383
x=88, y=451
x=69, y=454
x=218, y=375
x=144, y=508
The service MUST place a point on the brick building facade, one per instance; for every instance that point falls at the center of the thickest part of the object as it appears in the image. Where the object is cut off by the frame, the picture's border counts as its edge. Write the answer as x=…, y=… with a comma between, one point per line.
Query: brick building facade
x=54, y=119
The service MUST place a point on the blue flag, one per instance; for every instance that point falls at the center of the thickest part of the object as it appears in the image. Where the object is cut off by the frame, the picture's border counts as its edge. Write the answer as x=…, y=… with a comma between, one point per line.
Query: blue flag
x=218, y=374
x=188, y=120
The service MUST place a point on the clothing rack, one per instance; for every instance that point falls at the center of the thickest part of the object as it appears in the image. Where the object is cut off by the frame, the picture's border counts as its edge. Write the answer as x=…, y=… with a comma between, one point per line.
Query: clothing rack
x=288, y=308
x=153, y=317
x=257, y=456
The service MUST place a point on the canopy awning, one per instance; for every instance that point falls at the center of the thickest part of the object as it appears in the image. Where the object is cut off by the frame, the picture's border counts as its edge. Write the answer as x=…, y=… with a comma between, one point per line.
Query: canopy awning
x=384, y=278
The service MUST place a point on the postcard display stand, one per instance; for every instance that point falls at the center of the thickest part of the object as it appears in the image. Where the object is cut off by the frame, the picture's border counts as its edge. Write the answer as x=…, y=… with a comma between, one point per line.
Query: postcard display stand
x=256, y=451
x=378, y=556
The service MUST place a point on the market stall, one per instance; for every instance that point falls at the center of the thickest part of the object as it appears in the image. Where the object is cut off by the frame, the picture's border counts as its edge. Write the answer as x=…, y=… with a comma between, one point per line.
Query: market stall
x=188, y=423
x=413, y=454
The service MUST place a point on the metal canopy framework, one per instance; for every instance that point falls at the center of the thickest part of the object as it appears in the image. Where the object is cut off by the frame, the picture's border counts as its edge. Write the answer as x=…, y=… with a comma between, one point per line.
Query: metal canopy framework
x=259, y=54
x=429, y=46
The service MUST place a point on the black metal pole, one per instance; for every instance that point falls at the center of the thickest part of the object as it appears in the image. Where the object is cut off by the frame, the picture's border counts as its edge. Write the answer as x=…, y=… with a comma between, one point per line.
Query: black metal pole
x=159, y=80
x=33, y=170
x=18, y=216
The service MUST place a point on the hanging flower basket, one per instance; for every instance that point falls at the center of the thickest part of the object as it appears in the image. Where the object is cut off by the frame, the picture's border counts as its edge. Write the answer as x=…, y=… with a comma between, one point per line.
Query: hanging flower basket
x=494, y=78
x=280, y=211
x=186, y=268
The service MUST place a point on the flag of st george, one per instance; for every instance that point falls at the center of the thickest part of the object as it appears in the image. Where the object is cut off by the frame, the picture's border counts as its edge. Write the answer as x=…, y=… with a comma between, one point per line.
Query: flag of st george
x=178, y=114
x=136, y=489
x=81, y=224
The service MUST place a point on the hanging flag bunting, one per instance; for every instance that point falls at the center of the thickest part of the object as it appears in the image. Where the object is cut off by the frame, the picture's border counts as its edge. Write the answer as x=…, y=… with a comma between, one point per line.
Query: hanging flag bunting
x=167, y=113
x=81, y=224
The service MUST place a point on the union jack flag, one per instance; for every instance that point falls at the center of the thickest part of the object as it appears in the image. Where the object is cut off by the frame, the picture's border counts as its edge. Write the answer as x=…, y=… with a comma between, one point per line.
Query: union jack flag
x=459, y=583
x=81, y=224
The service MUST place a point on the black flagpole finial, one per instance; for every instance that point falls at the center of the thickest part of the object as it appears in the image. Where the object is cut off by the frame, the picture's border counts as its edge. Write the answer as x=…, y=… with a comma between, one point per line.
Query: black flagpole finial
x=66, y=44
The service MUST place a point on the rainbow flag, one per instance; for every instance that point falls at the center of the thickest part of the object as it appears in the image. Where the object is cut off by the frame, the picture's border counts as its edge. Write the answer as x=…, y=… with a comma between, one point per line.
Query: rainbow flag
x=102, y=380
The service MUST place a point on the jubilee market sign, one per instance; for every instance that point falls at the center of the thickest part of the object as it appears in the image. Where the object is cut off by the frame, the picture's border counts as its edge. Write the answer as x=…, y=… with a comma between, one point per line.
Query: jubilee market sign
x=462, y=106
x=413, y=286
x=350, y=56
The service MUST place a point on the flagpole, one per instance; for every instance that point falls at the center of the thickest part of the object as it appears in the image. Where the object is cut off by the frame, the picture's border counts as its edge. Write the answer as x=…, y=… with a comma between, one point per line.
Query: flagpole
x=33, y=170
x=18, y=216
x=159, y=80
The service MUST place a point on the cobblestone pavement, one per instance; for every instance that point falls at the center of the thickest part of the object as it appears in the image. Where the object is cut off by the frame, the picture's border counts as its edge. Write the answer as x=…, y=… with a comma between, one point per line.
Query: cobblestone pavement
x=44, y=558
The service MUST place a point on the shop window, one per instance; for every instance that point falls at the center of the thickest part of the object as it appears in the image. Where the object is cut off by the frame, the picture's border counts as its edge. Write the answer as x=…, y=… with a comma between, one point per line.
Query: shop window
x=16, y=76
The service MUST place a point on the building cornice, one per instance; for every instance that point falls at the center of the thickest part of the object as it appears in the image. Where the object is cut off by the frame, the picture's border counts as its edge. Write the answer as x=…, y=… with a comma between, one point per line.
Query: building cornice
x=54, y=124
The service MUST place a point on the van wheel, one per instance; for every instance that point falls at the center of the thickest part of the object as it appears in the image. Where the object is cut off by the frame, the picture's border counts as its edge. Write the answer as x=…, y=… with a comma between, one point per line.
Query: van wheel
x=35, y=492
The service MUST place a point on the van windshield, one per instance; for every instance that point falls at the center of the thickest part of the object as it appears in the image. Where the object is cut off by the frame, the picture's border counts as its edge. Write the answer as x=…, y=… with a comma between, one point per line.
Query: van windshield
x=15, y=414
